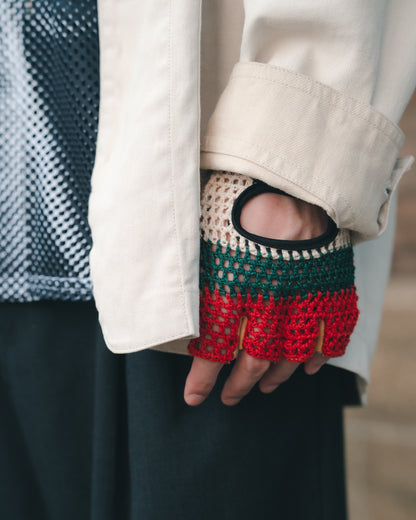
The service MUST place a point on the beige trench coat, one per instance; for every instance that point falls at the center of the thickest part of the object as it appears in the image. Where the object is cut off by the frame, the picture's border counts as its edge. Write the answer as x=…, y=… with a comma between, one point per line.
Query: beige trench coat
x=303, y=95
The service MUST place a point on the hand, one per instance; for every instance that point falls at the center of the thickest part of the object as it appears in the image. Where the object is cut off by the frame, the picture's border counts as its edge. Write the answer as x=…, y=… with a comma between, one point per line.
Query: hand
x=264, y=216
x=246, y=372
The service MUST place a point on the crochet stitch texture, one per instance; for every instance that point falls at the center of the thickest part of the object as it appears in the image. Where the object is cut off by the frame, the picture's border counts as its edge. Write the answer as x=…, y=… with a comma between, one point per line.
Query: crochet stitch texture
x=279, y=301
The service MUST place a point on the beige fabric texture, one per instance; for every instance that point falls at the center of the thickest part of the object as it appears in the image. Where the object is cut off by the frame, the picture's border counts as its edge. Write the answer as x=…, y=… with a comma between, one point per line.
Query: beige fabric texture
x=346, y=165
x=144, y=205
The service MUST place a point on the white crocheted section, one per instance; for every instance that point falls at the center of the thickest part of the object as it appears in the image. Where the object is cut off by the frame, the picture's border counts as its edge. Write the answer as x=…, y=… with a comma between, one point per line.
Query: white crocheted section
x=217, y=200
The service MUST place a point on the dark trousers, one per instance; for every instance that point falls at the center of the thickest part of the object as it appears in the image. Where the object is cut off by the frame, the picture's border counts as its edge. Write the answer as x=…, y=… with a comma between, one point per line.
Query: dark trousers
x=87, y=434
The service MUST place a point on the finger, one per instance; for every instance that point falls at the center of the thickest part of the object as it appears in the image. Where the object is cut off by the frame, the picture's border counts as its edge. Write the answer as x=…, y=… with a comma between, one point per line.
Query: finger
x=247, y=370
x=276, y=375
x=315, y=362
x=200, y=381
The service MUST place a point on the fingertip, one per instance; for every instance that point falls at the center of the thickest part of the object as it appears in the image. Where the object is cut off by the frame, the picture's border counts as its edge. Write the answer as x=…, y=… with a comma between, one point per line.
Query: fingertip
x=267, y=389
x=200, y=380
x=310, y=371
x=194, y=399
x=230, y=401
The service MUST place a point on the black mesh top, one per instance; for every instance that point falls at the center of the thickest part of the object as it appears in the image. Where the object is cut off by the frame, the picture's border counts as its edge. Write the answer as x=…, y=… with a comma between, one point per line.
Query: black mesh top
x=49, y=97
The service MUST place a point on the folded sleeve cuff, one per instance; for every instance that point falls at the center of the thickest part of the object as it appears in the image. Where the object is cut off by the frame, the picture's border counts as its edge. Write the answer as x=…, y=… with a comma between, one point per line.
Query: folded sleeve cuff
x=312, y=141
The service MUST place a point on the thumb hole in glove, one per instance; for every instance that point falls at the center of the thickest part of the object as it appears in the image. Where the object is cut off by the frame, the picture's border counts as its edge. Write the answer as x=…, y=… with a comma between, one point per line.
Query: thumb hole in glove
x=301, y=215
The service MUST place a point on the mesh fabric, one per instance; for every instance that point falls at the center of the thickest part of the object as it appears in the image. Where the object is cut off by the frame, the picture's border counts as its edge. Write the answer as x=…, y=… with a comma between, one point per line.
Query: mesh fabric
x=49, y=97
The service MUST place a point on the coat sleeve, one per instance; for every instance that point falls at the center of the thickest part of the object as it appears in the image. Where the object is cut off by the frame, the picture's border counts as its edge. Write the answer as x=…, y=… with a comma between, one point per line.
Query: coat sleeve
x=313, y=104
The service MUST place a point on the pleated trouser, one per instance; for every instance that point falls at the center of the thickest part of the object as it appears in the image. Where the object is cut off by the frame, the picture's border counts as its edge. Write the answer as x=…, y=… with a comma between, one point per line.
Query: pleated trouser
x=87, y=434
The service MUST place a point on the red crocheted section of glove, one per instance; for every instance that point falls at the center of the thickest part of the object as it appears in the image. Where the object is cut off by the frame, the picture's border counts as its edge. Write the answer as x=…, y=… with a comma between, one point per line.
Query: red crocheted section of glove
x=295, y=328
x=290, y=328
x=219, y=326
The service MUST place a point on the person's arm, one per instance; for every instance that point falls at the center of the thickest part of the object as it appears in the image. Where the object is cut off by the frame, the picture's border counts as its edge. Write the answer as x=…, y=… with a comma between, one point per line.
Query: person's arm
x=311, y=109
x=144, y=205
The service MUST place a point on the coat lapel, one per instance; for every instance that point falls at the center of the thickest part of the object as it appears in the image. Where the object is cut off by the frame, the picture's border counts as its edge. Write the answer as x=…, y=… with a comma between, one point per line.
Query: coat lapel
x=144, y=207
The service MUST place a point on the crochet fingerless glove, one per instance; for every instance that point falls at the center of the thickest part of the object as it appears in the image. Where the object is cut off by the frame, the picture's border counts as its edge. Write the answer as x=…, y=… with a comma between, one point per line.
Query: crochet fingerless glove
x=276, y=299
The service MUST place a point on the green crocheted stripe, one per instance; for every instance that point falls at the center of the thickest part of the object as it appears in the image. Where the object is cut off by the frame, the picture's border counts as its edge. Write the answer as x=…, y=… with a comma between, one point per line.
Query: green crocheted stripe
x=278, y=277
